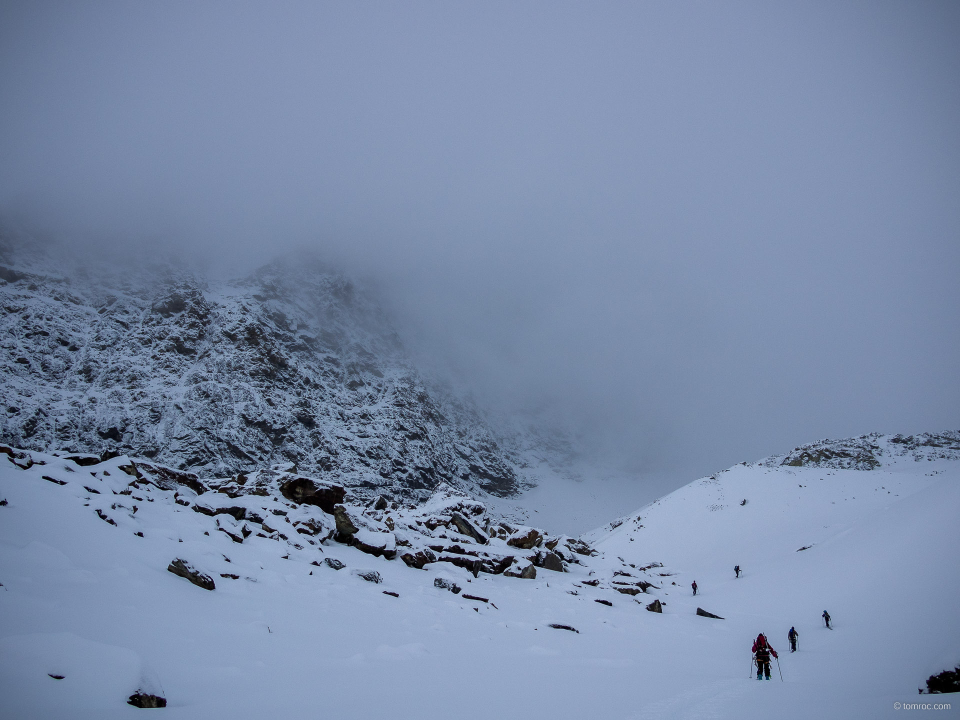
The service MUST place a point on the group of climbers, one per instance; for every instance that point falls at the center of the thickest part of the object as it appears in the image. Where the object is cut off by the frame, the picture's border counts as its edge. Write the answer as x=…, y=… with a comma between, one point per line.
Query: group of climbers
x=762, y=649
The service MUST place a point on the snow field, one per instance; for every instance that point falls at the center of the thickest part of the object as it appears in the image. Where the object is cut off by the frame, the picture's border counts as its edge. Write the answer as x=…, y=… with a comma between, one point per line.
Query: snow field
x=95, y=603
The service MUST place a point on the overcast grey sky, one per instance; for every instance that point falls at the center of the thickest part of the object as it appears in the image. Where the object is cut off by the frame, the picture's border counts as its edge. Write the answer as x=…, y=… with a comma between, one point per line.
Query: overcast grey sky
x=700, y=232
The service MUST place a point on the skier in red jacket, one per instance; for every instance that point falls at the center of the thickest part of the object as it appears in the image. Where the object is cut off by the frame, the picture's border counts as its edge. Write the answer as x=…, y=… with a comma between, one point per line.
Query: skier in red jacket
x=762, y=650
x=694, y=586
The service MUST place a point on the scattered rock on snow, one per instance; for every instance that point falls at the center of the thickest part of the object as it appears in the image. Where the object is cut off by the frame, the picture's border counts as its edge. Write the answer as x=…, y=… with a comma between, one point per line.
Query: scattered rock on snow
x=445, y=584
x=468, y=529
x=655, y=606
x=529, y=572
x=368, y=575
x=305, y=491
x=418, y=559
x=185, y=570
x=364, y=534
x=334, y=563
x=231, y=528
x=558, y=626
x=703, y=613
x=145, y=700
x=525, y=538
x=551, y=561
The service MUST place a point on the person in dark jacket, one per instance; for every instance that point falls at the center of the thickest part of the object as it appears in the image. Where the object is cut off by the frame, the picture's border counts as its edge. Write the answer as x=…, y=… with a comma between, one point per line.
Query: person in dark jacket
x=736, y=569
x=826, y=618
x=694, y=586
x=762, y=650
x=792, y=637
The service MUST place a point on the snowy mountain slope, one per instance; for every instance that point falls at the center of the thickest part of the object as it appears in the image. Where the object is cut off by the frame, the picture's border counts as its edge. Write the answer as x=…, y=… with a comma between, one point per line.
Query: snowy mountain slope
x=292, y=363
x=94, y=602
x=874, y=547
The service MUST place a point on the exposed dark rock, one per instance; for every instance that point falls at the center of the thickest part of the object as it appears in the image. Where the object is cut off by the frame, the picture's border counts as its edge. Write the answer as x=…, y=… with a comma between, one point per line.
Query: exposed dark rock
x=369, y=575
x=376, y=544
x=655, y=606
x=529, y=572
x=392, y=594
x=237, y=512
x=558, y=626
x=526, y=539
x=106, y=518
x=334, y=563
x=291, y=364
x=468, y=529
x=185, y=570
x=305, y=491
x=703, y=613
x=169, y=478
x=54, y=480
x=445, y=584
x=347, y=526
x=145, y=700
x=84, y=460
x=946, y=682
x=641, y=586
x=474, y=597
x=474, y=565
x=418, y=559
x=603, y=602
x=551, y=561
x=230, y=529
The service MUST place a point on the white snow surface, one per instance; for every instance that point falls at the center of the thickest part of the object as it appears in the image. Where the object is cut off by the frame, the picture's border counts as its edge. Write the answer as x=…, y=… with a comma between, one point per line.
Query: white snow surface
x=94, y=602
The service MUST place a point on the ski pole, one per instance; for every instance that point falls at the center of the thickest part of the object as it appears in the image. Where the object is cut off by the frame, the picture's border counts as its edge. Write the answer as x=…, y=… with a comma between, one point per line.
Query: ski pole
x=751, y=667
x=778, y=669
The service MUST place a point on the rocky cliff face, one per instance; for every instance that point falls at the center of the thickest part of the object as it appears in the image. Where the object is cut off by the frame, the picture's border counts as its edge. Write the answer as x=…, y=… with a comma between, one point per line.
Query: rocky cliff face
x=291, y=364
x=869, y=452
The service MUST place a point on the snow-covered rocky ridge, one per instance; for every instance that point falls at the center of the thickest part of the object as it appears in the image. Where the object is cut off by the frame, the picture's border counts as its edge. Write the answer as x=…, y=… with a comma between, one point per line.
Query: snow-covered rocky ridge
x=290, y=364
x=87, y=594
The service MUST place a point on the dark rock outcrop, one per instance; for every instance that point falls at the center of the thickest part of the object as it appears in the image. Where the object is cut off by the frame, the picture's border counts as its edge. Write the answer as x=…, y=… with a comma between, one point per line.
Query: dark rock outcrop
x=468, y=529
x=655, y=606
x=369, y=575
x=551, y=561
x=292, y=364
x=445, y=584
x=141, y=699
x=525, y=538
x=703, y=613
x=347, y=526
x=185, y=570
x=418, y=559
x=324, y=495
